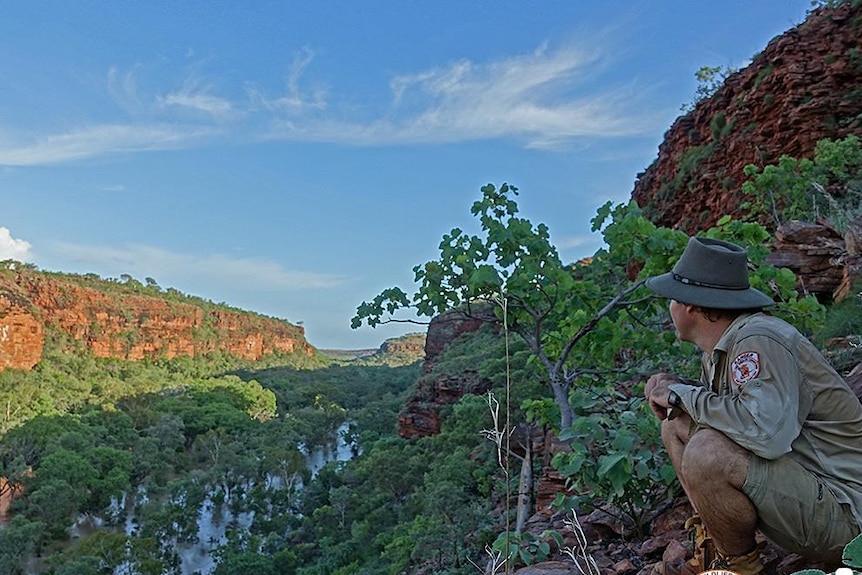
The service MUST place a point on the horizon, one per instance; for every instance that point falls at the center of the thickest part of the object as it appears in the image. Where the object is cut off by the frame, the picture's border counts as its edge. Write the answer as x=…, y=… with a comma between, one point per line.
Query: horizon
x=295, y=159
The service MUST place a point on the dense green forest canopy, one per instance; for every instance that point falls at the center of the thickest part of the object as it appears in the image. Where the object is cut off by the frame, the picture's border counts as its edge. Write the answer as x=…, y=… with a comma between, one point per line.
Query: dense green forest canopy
x=82, y=435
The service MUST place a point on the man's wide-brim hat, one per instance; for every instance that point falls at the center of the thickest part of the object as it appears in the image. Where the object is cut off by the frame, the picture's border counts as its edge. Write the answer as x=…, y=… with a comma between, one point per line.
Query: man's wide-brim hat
x=711, y=273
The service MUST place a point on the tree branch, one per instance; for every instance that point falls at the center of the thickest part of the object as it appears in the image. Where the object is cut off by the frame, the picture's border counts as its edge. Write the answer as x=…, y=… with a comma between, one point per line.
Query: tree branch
x=587, y=327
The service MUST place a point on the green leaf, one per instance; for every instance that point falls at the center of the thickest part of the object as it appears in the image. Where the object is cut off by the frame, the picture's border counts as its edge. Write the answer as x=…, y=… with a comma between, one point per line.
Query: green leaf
x=609, y=462
x=567, y=465
x=544, y=549
x=853, y=553
x=555, y=536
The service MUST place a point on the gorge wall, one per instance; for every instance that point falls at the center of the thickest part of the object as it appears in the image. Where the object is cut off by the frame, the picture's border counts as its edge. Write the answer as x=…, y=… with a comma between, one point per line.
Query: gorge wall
x=115, y=321
x=806, y=85
x=421, y=414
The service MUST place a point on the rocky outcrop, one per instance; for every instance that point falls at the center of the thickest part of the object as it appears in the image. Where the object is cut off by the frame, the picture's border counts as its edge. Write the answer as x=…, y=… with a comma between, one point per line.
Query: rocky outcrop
x=448, y=326
x=803, y=87
x=410, y=343
x=815, y=252
x=421, y=414
x=115, y=321
x=21, y=333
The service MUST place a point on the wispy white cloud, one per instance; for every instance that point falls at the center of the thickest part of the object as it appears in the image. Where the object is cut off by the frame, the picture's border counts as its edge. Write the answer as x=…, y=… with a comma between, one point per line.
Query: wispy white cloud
x=101, y=140
x=295, y=99
x=199, y=101
x=113, y=188
x=195, y=95
x=122, y=88
x=13, y=248
x=142, y=261
x=581, y=243
x=197, y=98
x=544, y=98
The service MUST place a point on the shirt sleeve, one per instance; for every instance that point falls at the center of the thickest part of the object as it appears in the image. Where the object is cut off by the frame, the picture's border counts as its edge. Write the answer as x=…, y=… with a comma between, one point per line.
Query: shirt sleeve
x=761, y=413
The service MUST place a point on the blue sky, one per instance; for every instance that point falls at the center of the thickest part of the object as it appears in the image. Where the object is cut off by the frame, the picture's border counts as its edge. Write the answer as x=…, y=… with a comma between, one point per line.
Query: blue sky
x=295, y=158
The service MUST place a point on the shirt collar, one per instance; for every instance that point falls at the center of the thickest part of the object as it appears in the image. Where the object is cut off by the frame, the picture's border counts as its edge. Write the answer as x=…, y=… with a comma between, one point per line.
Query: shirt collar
x=729, y=335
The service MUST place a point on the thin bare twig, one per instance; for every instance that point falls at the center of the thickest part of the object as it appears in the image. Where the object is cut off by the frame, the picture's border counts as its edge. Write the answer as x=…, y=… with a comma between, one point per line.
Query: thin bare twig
x=498, y=434
x=579, y=555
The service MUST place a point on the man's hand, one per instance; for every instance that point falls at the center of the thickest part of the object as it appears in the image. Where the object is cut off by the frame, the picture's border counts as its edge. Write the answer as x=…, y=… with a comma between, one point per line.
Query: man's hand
x=657, y=392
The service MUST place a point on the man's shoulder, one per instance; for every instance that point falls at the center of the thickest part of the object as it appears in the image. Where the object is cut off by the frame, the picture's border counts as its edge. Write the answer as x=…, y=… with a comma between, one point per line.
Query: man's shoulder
x=767, y=322
x=761, y=324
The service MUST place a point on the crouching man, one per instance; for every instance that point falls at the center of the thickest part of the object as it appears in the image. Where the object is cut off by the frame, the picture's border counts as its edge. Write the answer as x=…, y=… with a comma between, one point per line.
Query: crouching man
x=770, y=438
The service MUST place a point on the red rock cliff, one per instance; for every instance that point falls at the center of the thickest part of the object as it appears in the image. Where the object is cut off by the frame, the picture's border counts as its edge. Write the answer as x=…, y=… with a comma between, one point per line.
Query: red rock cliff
x=118, y=322
x=20, y=333
x=421, y=415
x=411, y=343
x=805, y=86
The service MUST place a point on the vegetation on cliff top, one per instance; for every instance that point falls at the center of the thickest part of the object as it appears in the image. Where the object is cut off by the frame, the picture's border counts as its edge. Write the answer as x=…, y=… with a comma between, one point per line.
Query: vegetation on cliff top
x=173, y=439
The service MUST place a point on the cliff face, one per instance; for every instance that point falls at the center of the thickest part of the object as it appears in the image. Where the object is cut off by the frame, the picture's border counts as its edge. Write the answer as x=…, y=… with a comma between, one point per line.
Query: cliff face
x=421, y=415
x=408, y=344
x=21, y=333
x=805, y=86
x=123, y=324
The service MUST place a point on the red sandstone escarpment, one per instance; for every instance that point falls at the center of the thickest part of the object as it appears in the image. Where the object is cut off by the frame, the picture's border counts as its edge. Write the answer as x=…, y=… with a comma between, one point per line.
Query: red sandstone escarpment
x=120, y=323
x=805, y=86
x=21, y=336
x=413, y=344
x=421, y=414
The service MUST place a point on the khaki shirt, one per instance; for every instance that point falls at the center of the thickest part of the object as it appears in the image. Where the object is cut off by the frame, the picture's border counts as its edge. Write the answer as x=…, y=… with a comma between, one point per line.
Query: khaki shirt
x=770, y=390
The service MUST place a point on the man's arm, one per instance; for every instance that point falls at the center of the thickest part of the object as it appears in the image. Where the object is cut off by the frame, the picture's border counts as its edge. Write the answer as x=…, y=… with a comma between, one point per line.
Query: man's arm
x=665, y=403
x=762, y=413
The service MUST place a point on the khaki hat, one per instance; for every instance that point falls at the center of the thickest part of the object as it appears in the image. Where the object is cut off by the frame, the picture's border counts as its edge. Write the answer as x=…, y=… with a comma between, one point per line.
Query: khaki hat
x=710, y=273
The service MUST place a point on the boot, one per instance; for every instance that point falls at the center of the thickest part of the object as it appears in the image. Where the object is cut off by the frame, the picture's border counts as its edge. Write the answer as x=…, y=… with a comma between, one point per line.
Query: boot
x=702, y=546
x=748, y=564
x=701, y=542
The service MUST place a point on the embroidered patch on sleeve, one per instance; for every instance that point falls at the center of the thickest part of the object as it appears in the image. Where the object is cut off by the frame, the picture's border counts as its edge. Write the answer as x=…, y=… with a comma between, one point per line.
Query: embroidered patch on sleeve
x=745, y=367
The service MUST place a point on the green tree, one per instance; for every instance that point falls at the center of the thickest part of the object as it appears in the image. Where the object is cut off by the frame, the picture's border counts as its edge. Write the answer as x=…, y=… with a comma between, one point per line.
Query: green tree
x=591, y=326
x=55, y=503
x=709, y=80
x=20, y=539
x=514, y=267
x=111, y=479
x=828, y=186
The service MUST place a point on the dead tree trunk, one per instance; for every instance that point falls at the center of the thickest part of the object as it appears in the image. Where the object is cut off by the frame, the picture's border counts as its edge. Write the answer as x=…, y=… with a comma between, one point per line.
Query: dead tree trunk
x=525, y=484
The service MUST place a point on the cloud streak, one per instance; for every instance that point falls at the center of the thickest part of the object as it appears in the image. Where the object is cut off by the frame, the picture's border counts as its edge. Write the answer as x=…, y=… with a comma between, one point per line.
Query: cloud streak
x=295, y=99
x=198, y=99
x=544, y=99
x=251, y=274
x=100, y=140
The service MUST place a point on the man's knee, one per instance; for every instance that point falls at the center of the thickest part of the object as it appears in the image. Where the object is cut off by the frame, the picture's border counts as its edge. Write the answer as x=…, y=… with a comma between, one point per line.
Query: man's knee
x=710, y=455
